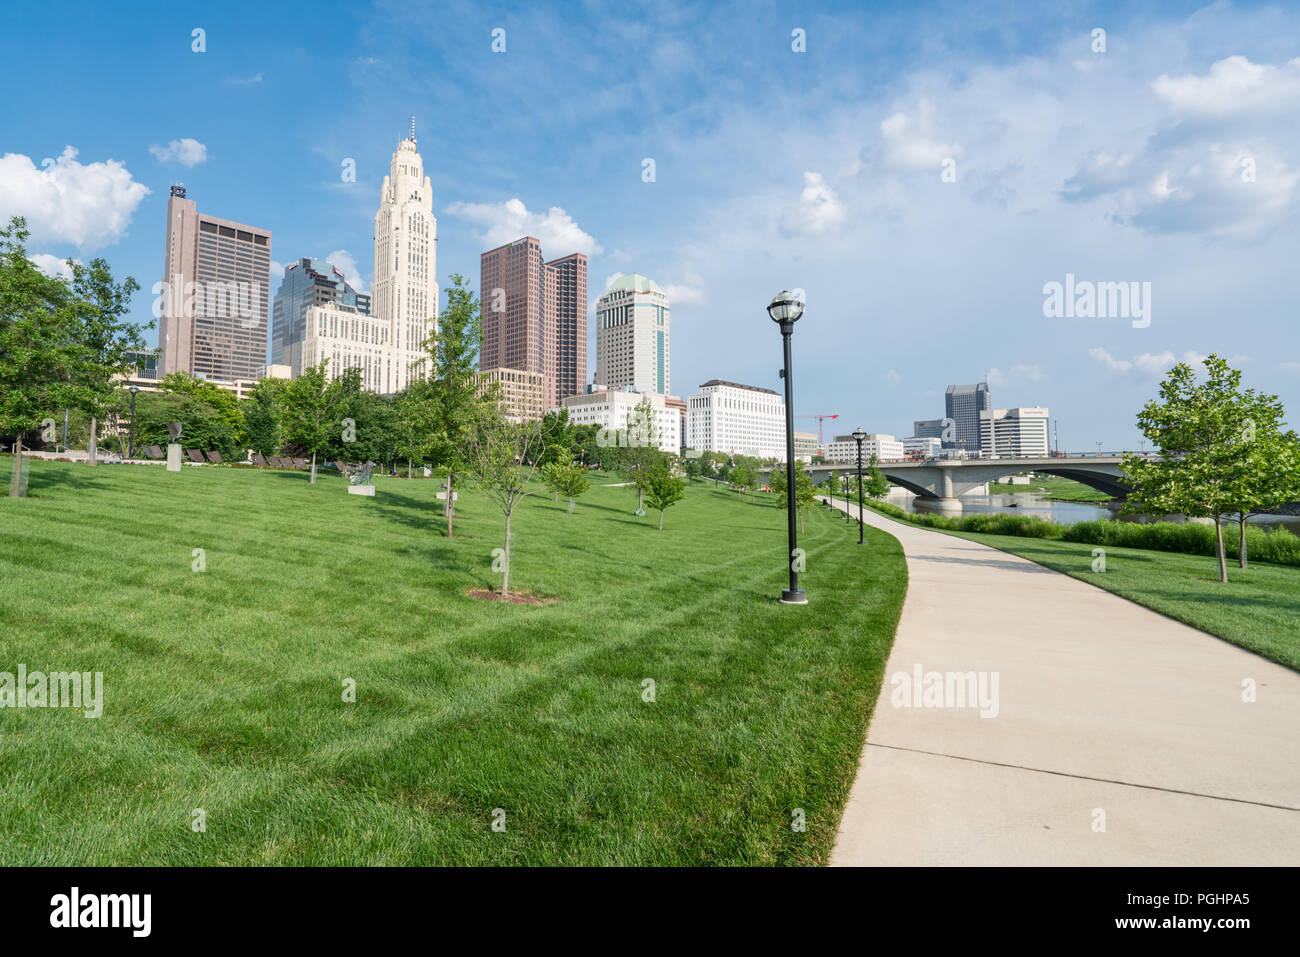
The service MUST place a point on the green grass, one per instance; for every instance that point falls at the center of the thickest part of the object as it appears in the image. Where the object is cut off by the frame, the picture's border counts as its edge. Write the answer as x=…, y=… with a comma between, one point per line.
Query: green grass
x=1259, y=608
x=223, y=689
x=1053, y=489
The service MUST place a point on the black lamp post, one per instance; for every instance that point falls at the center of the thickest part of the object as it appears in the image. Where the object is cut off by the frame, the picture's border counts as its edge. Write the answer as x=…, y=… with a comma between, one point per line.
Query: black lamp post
x=785, y=309
x=130, y=445
x=858, y=436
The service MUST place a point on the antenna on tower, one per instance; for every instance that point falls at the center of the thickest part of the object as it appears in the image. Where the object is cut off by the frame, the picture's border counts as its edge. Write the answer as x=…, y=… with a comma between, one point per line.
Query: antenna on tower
x=412, y=136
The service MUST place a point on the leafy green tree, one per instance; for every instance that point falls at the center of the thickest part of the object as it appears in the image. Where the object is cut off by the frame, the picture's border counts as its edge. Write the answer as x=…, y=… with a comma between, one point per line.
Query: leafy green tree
x=311, y=412
x=202, y=427
x=222, y=401
x=1197, y=426
x=40, y=355
x=109, y=341
x=565, y=477
x=877, y=485
x=663, y=488
x=453, y=408
x=558, y=440
x=642, y=453
x=263, y=413
x=742, y=478
x=1268, y=475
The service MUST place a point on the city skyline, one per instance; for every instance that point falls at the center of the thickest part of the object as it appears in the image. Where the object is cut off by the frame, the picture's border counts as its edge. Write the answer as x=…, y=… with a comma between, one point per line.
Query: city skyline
x=1046, y=187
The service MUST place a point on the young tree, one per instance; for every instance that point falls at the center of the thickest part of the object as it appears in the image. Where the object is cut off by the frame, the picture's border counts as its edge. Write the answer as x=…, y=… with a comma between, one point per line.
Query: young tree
x=311, y=418
x=453, y=405
x=1270, y=461
x=877, y=485
x=501, y=459
x=642, y=453
x=663, y=488
x=564, y=477
x=742, y=479
x=107, y=338
x=1197, y=426
x=262, y=413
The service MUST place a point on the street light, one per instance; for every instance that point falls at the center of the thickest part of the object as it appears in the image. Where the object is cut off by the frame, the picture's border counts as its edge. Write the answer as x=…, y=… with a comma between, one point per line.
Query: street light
x=859, y=436
x=130, y=445
x=785, y=309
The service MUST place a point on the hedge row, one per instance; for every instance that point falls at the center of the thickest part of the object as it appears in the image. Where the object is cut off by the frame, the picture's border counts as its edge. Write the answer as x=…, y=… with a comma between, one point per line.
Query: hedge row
x=1279, y=547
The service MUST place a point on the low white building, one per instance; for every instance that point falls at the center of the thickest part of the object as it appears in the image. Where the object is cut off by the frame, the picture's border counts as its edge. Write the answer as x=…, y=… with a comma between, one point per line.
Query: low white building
x=348, y=339
x=736, y=419
x=886, y=448
x=927, y=447
x=1007, y=433
x=615, y=410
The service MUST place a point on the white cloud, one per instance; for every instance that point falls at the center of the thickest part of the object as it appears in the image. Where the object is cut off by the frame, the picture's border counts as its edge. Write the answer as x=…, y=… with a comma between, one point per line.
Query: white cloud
x=245, y=80
x=688, y=292
x=187, y=152
x=277, y=270
x=609, y=280
x=88, y=205
x=908, y=141
x=1234, y=85
x=347, y=264
x=819, y=210
x=511, y=220
x=892, y=377
x=52, y=265
x=1149, y=363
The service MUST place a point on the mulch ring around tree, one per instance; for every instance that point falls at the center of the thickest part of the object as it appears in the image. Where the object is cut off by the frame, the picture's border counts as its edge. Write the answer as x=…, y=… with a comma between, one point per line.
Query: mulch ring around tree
x=514, y=598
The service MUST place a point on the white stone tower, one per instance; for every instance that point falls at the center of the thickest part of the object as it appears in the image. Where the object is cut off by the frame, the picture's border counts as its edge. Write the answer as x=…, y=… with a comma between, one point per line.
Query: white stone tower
x=405, y=293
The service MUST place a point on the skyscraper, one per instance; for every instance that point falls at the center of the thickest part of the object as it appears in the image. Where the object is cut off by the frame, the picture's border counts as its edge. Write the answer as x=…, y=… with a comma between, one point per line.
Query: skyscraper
x=405, y=292
x=214, y=294
x=307, y=283
x=535, y=316
x=632, y=326
x=963, y=404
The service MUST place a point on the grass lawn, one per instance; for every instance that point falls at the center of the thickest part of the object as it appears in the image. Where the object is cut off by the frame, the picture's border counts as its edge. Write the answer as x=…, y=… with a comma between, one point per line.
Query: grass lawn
x=1051, y=487
x=1259, y=608
x=223, y=688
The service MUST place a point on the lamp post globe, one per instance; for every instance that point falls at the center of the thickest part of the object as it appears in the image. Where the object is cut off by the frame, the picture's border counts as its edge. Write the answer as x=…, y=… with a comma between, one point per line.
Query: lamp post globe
x=859, y=436
x=785, y=309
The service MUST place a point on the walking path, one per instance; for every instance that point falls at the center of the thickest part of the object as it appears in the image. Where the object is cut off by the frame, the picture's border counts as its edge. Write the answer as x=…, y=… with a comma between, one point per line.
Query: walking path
x=1108, y=715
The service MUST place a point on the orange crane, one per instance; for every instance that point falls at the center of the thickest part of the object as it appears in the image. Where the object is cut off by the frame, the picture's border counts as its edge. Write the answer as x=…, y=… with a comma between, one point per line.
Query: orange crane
x=821, y=446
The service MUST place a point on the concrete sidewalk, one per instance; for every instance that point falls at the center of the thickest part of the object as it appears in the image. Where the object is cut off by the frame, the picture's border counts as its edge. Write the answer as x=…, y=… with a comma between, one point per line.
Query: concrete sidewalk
x=1107, y=713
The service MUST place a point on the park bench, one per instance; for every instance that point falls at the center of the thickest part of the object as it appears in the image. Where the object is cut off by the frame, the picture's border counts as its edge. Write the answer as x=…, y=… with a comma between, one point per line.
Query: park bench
x=258, y=460
x=154, y=452
x=213, y=457
x=195, y=456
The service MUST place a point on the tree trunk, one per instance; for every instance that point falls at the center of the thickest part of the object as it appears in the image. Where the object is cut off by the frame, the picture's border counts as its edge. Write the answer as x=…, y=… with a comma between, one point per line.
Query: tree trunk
x=640, y=497
x=313, y=468
x=408, y=469
x=92, y=450
x=800, y=511
x=505, y=578
x=570, y=506
x=557, y=497
x=16, y=482
x=1242, y=548
x=1218, y=537
x=661, y=519
x=447, y=512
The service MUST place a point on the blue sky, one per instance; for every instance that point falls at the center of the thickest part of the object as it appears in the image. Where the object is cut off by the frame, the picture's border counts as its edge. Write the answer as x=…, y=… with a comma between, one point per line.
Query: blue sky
x=773, y=168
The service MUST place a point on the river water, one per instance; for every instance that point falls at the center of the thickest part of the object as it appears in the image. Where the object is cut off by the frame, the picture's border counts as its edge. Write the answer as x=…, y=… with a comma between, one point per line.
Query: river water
x=1066, y=513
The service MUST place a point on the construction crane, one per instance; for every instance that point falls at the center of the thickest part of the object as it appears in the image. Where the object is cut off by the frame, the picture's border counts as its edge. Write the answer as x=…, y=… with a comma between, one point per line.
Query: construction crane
x=821, y=446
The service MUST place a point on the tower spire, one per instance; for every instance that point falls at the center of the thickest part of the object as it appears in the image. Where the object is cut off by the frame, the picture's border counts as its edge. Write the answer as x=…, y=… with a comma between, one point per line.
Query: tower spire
x=412, y=136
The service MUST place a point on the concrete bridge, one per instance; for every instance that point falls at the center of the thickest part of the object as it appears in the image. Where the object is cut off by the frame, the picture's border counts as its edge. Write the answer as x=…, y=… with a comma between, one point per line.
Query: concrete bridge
x=940, y=483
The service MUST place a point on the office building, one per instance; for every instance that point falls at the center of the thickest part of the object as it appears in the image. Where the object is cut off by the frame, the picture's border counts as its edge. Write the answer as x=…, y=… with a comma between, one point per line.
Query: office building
x=535, y=316
x=616, y=411
x=405, y=293
x=520, y=392
x=843, y=448
x=963, y=404
x=922, y=446
x=350, y=339
x=632, y=327
x=214, y=294
x=1014, y=432
x=307, y=283
x=737, y=419
x=805, y=446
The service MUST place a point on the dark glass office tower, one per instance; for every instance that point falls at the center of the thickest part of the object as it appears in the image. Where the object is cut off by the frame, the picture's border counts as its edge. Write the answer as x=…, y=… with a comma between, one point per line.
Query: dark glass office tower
x=307, y=283
x=963, y=404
